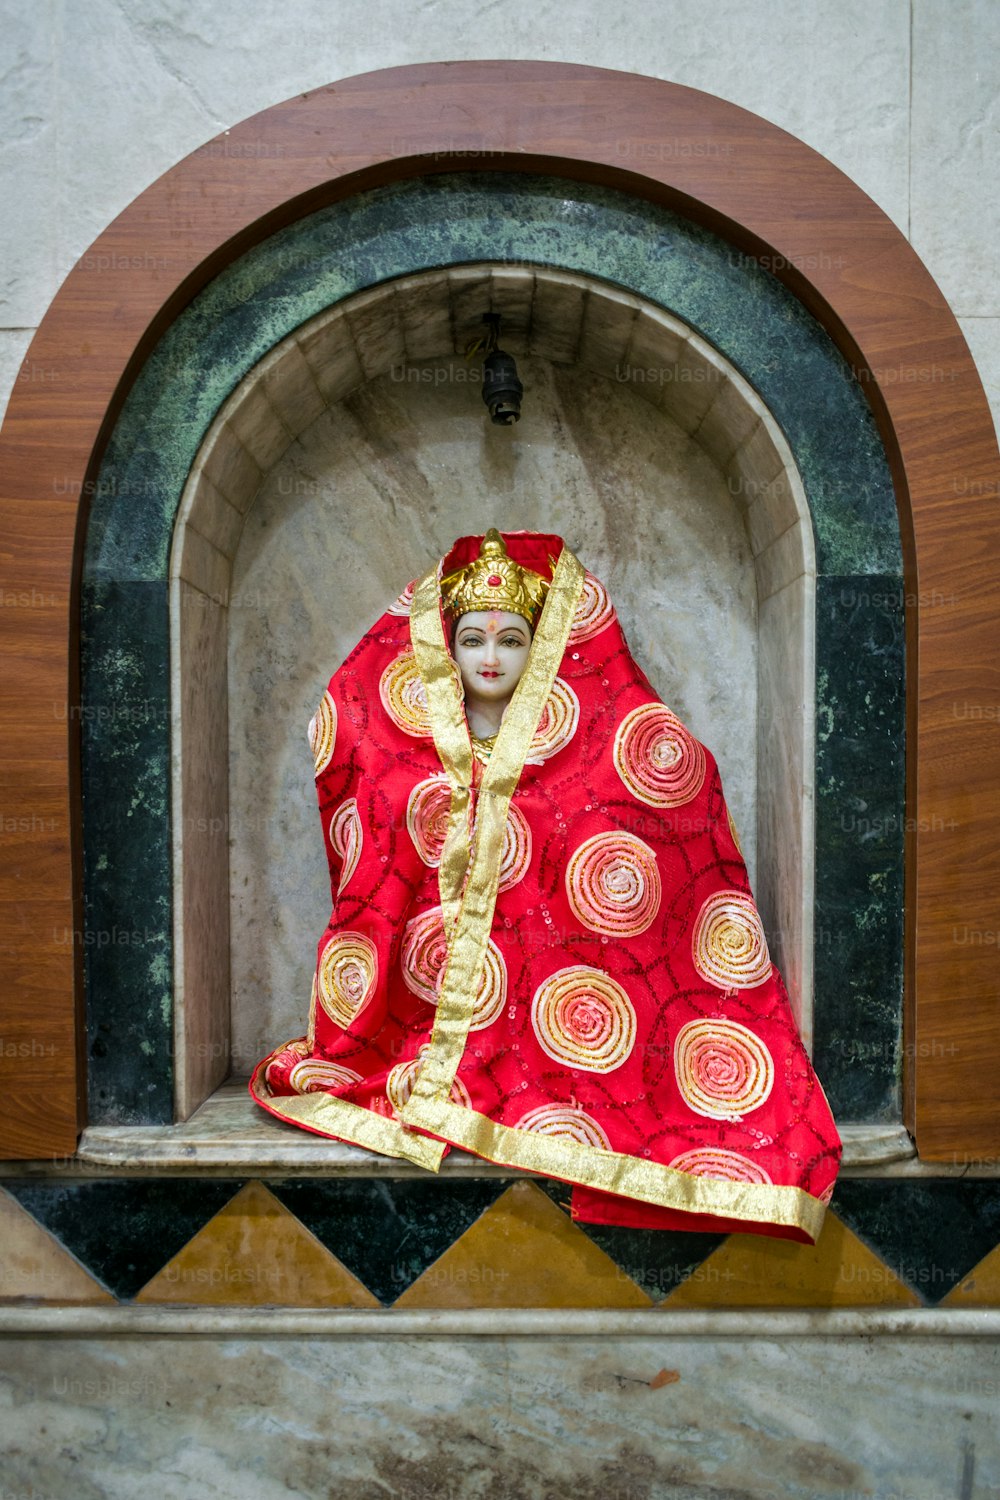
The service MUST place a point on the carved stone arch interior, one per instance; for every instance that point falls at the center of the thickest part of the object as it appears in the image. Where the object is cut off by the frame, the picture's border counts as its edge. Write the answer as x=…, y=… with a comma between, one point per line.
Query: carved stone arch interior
x=411, y=333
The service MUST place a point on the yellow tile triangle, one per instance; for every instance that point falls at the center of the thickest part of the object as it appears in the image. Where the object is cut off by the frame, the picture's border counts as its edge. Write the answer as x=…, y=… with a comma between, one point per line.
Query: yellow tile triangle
x=34, y=1265
x=255, y=1253
x=752, y=1270
x=524, y=1252
x=981, y=1288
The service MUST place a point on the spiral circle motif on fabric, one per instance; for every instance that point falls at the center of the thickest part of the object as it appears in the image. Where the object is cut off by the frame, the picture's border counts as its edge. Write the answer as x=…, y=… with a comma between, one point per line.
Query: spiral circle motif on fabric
x=584, y=1018
x=658, y=760
x=423, y=957
x=594, y=612
x=403, y=1077
x=323, y=732
x=715, y=1161
x=722, y=1069
x=318, y=1075
x=313, y=1004
x=286, y=1057
x=424, y=953
x=347, y=837
x=613, y=884
x=403, y=696
x=348, y=973
x=516, y=854
x=404, y=604
x=565, y=1120
x=427, y=810
x=728, y=946
x=491, y=997
x=557, y=724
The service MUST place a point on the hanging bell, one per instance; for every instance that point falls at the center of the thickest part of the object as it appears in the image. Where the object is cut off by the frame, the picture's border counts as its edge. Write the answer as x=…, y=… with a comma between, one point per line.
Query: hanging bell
x=502, y=391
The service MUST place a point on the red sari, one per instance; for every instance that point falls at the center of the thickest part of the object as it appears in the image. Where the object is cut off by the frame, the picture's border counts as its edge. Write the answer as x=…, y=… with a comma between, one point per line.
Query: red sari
x=553, y=960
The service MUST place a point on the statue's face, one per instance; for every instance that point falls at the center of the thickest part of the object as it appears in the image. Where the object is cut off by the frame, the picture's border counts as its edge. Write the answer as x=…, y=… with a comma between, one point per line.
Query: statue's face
x=491, y=649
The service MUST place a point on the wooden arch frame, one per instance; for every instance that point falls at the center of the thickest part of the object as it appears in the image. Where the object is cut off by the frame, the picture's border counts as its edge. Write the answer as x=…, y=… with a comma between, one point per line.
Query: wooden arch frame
x=769, y=195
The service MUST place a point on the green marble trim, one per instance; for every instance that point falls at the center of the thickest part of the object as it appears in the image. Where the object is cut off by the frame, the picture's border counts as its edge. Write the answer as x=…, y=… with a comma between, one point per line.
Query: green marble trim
x=216, y=341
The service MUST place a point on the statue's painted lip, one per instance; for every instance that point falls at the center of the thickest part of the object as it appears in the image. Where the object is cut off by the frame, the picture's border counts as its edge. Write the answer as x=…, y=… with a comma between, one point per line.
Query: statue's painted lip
x=489, y=674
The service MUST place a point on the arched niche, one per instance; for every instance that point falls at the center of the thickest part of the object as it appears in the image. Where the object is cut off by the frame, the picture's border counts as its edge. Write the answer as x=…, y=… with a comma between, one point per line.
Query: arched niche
x=776, y=203
x=343, y=463
x=251, y=320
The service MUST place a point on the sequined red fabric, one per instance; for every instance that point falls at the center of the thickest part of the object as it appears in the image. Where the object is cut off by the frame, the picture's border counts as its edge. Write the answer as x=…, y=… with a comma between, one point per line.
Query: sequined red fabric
x=628, y=1000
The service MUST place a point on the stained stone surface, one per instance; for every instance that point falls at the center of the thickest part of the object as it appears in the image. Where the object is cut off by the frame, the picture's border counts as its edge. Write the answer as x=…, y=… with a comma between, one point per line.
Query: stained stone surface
x=606, y=1418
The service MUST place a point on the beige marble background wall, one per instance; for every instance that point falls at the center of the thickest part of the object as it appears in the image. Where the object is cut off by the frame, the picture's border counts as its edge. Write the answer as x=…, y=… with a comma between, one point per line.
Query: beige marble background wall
x=591, y=461
x=99, y=98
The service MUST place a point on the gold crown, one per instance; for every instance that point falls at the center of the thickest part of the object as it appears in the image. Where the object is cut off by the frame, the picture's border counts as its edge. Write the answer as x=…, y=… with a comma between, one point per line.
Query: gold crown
x=494, y=581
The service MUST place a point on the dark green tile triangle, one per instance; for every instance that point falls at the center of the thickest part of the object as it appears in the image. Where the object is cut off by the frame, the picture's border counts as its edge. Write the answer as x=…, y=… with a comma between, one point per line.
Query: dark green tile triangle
x=658, y=1259
x=124, y=1231
x=387, y=1231
x=931, y=1233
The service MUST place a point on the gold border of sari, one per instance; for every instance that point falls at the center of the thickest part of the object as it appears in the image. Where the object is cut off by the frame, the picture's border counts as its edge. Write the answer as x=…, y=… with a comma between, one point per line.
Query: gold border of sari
x=332, y=1116
x=613, y=1172
x=468, y=940
x=445, y=702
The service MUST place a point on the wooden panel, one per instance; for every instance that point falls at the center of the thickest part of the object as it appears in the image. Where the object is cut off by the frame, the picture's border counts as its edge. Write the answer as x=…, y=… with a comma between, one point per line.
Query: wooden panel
x=772, y=196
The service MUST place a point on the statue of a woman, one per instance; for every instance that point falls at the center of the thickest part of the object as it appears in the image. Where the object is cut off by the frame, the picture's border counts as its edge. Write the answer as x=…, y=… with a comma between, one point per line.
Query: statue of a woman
x=543, y=947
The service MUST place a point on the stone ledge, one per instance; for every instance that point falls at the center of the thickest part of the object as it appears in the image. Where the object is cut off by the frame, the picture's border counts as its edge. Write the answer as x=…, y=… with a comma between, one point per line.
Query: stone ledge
x=454, y=1323
x=229, y=1134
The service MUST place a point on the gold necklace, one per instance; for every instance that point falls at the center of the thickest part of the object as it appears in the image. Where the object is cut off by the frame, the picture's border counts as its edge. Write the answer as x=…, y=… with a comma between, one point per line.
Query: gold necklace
x=482, y=745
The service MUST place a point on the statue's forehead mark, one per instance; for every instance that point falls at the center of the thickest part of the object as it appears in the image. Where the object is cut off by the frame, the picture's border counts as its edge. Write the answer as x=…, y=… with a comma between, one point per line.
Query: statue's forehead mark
x=497, y=621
